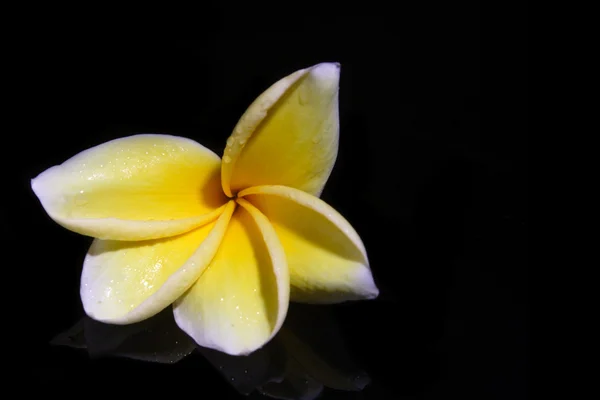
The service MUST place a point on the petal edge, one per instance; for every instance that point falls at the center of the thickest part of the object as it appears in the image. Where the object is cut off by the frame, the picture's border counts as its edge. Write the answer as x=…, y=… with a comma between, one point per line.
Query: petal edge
x=241, y=300
x=326, y=257
x=138, y=187
x=118, y=278
x=288, y=136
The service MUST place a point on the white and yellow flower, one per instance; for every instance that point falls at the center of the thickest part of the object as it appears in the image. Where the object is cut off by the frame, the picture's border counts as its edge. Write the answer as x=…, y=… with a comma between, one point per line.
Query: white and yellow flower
x=228, y=242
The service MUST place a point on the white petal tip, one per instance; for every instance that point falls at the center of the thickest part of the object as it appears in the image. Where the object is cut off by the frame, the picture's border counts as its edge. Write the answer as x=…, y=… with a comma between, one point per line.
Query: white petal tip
x=326, y=72
x=373, y=294
x=42, y=189
x=35, y=185
x=369, y=290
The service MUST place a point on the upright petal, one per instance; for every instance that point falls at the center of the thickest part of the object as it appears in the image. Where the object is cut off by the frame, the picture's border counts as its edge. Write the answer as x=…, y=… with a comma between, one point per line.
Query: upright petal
x=134, y=188
x=326, y=257
x=241, y=300
x=126, y=282
x=289, y=134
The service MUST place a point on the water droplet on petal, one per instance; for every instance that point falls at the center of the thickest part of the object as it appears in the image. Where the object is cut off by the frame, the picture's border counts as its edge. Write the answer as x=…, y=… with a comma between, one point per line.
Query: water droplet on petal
x=226, y=159
x=230, y=141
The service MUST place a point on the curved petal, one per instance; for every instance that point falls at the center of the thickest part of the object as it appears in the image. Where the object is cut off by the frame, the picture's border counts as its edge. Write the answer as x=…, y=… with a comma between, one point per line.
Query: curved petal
x=326, y=257
x=289, y=134
x=134, y=188
x=126, y=282
x=241, y=300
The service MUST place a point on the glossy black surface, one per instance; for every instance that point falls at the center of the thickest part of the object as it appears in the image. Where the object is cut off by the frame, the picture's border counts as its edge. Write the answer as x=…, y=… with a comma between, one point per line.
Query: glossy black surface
x=431, y=172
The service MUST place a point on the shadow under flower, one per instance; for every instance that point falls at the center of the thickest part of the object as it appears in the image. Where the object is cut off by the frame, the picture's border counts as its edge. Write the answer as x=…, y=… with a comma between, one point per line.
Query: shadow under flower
x=306, y=356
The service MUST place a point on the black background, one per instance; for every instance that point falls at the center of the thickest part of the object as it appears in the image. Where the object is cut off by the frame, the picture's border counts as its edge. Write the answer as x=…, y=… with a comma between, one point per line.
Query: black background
x=431, y=172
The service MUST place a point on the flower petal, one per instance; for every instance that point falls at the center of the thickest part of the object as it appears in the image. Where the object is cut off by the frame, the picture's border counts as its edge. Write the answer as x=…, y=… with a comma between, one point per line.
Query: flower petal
x=241, y=300
x=289, y=134
x=134, y=188
x=126, y=282
x=326, y=257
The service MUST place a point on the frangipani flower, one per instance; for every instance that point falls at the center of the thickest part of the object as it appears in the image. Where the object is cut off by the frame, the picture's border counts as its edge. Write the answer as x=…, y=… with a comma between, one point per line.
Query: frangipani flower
x=228, y=243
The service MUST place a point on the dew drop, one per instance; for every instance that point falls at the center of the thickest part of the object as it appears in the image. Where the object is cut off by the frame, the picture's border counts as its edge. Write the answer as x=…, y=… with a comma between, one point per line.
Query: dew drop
x=226, y=159
x=230, y=141
x=242, y=142
x=222, y=299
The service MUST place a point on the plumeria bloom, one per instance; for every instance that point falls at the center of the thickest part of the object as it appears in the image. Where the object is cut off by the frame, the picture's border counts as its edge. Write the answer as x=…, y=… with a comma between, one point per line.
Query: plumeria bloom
x=227, y=242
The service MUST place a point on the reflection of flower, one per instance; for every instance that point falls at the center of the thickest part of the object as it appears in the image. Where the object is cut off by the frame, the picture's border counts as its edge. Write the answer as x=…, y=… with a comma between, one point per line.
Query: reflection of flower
x=306, y=356
x=164, y=212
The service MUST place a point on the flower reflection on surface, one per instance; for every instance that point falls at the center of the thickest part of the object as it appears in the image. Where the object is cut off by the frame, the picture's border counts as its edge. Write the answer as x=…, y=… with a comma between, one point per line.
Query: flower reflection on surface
x=306, y=356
